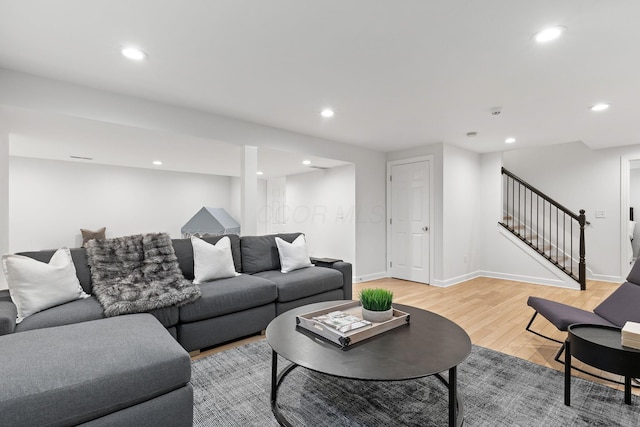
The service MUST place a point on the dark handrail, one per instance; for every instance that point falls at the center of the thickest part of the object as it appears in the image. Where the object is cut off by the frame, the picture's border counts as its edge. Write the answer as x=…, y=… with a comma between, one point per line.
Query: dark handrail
x=522, y=218
x=541, y=194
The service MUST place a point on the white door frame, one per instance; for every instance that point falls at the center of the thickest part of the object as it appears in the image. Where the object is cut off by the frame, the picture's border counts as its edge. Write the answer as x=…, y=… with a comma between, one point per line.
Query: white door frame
x=625, y=179
x=390, y=164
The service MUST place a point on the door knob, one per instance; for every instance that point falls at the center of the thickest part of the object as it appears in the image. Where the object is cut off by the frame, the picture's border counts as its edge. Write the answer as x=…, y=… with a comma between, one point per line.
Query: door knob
x=425, y=228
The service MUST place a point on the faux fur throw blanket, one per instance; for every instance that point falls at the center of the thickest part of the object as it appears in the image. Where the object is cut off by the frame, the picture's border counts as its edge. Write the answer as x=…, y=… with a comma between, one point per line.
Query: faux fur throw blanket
x=136, y=274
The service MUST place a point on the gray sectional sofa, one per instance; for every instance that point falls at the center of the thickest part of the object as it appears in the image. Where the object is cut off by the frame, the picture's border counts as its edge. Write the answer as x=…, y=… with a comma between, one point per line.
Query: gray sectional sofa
x=228, y=309
x=68, y=365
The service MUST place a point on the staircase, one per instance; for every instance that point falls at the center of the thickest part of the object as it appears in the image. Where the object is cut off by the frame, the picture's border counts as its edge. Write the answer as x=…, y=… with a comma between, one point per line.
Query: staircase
x=547, y=227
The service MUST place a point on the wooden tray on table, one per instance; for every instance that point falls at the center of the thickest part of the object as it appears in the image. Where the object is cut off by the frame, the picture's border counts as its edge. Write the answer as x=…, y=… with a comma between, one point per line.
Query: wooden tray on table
x=342, y=324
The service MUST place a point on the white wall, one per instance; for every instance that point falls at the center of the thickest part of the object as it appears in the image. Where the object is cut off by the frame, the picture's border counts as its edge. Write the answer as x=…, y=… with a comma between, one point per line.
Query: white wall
x=498, y=255
x=581, y=178
x=468, y=197
x=321, y=204
x=634, y=201
x=274, y=212
x=40, y=94
x=4, y=195
x=235, y=201
x=461, y=205
x=49, y=201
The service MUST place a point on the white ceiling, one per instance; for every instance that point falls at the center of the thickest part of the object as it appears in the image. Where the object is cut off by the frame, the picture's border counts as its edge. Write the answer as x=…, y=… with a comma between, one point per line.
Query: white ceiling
x=58, y=137
x=399, y=74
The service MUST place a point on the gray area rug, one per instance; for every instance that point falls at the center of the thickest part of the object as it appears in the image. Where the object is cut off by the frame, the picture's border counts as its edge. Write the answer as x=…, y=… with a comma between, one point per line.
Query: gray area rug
x=232, y=389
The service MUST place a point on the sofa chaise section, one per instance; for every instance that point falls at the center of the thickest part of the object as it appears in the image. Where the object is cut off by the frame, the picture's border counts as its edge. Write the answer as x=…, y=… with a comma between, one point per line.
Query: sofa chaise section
x=104, y=372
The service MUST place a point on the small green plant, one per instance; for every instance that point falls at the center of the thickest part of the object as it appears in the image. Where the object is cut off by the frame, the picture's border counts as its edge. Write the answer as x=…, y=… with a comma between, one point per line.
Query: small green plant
x=376, y=299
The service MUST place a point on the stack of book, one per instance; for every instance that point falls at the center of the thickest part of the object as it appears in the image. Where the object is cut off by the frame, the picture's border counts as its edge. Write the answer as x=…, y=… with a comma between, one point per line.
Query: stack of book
x=342, y=322
x=631, y=335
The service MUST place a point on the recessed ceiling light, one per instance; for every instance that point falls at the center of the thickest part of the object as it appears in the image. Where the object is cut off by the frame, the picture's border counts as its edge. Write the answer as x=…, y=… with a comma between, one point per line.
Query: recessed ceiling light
x=599, y=107
x=259, y=173
x=306, y=162
x=157, y=162
x=510, y=140
x=134, y=53
x=327, y=112
x=549, y=34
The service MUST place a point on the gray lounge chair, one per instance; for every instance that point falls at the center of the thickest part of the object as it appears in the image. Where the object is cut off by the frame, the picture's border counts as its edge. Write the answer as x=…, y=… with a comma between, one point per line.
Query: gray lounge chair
x=621, y=306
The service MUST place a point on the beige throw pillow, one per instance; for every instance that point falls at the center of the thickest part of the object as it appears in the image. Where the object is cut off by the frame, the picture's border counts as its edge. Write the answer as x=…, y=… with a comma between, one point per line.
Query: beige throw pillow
x=87, y=235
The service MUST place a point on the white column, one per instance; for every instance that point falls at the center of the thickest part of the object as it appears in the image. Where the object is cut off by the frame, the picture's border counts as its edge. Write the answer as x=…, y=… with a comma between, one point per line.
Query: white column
x=249, y=190
x=4, y=198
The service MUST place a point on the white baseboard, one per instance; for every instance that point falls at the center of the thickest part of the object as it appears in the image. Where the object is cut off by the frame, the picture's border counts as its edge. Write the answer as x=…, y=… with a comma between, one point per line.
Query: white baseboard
x=455, y=280
x=530, y=279
x=369, y=277
x=605, y=278
x=497, y=275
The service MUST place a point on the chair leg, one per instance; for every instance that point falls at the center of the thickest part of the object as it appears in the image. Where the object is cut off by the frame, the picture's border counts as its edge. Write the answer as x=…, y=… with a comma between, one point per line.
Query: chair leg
x=558, y=355
x=528, y=328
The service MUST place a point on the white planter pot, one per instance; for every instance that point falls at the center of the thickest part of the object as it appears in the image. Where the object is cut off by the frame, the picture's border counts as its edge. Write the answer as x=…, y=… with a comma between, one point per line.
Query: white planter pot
x=377, y=316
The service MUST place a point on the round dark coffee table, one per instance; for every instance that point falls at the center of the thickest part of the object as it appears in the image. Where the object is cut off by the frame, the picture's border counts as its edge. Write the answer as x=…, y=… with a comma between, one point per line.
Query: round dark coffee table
x=428, y=345
x=601, y=347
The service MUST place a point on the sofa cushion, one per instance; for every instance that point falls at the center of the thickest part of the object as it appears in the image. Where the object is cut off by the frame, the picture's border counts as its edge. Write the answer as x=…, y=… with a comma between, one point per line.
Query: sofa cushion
x=79, y=256
x=260, y=253
x=65, y=314
x=621, y=306
x=76, y=373
x=634, y=273
x=8, y=313
x=563, y=315
x=303, y=283
x=184, y=251
x=35, y=285
x=83, y=311
x=230, y=295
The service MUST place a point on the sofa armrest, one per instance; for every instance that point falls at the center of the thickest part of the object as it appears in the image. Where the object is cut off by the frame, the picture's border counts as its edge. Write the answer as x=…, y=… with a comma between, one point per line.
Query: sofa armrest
x=8, y=314
x=324, y=262
x=342, y=267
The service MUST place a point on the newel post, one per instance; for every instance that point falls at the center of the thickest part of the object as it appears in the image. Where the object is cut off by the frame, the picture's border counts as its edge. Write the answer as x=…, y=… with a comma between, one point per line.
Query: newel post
x=582, y=267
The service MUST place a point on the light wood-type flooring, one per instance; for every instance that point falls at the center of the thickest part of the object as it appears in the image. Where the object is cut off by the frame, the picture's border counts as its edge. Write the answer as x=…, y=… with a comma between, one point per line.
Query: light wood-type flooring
x=494, y=313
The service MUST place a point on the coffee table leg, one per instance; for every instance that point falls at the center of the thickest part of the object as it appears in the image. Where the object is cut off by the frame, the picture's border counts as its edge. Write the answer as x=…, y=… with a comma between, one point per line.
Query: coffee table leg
x=274, y=376
x=276, y=380
x=453, y=396
x=627, y=390
x=567, y=373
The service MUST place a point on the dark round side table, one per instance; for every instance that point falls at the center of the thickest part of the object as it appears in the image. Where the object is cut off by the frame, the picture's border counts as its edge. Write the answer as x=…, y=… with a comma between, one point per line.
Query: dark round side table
x=600, y=347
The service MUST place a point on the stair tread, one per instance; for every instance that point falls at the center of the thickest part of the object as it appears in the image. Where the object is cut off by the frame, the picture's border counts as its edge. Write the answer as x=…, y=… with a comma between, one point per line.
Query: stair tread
x=563, y=261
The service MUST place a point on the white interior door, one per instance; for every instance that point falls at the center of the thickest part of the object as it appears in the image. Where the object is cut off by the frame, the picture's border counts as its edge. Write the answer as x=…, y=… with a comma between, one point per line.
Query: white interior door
x=409, y=221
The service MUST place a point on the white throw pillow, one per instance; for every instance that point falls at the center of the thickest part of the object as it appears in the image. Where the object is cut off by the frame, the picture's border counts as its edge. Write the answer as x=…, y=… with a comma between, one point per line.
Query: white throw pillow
x=35, y=286
x=212, y=262
x=294, y=255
